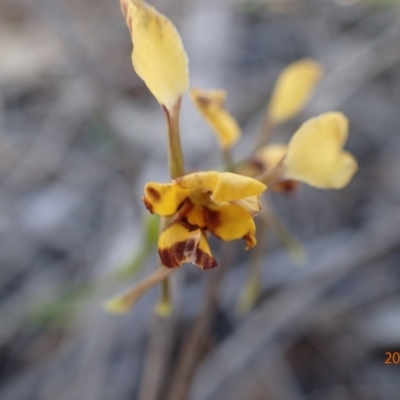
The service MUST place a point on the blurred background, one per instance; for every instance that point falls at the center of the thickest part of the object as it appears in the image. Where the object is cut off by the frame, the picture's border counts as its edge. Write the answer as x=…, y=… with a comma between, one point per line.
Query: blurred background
x=80, y=135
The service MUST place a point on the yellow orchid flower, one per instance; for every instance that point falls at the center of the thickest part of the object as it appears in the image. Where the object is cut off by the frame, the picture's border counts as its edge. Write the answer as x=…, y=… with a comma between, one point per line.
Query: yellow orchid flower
x=314, y=155
x=211, y=105
x=158, y=56
x=293, y=89
x=221, y=203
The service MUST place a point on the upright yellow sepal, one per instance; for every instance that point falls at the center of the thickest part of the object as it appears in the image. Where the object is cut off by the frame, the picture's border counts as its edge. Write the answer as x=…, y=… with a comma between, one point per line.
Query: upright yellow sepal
x=315, y=153
x=211, y=105
x=293, y=89
x=158, y=55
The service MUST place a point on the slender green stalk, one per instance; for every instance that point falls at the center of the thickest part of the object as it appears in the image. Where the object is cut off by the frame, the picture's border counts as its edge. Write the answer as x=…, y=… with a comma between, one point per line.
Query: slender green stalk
x=164, y=306
x=176, y=169
x=175, y=155
x=123, y=303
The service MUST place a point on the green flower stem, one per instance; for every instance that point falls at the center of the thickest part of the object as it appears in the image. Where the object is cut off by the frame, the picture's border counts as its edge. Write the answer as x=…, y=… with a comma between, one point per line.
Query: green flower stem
x=176, y=169
x=175, y=155
x=164, y=306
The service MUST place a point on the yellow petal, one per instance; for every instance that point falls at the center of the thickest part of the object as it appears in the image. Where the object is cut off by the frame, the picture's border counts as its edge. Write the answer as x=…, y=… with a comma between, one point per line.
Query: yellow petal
x=179, y=244
x=230, y=221
x=315, y=154
x=211, y=104
x=223, y=186
x=251, y=204
x=158, y=55
x=293, y=89
x=164, y=198
x=271, y=155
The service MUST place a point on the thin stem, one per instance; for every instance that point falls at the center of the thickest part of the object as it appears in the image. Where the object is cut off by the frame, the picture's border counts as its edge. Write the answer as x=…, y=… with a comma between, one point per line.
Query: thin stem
x=175, y=155
x=195, y=343
x=124, y=302
x=176, y=169
x=164, y=305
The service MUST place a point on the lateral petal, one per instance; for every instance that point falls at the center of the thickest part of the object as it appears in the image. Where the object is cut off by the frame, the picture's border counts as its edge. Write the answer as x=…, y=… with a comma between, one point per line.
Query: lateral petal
x=315, y=155
x=230, y=221
x=164, y=198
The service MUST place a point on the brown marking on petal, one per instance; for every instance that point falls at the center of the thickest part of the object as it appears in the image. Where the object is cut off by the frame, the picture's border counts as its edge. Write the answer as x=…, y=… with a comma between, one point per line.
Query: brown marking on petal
x=211, y=218
x=204, y=261
x=153, y=193
x=148, y=205
x=170, y=257
x=204, y=101
x=184, y=208
x=181, y=205
x=187, y=225
x=186, y=251
x=179, y=253
x=165, y=258
x=288, y=187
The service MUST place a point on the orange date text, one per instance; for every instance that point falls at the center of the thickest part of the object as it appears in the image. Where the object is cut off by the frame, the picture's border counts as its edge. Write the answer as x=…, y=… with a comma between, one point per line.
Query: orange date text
x=392, y=357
